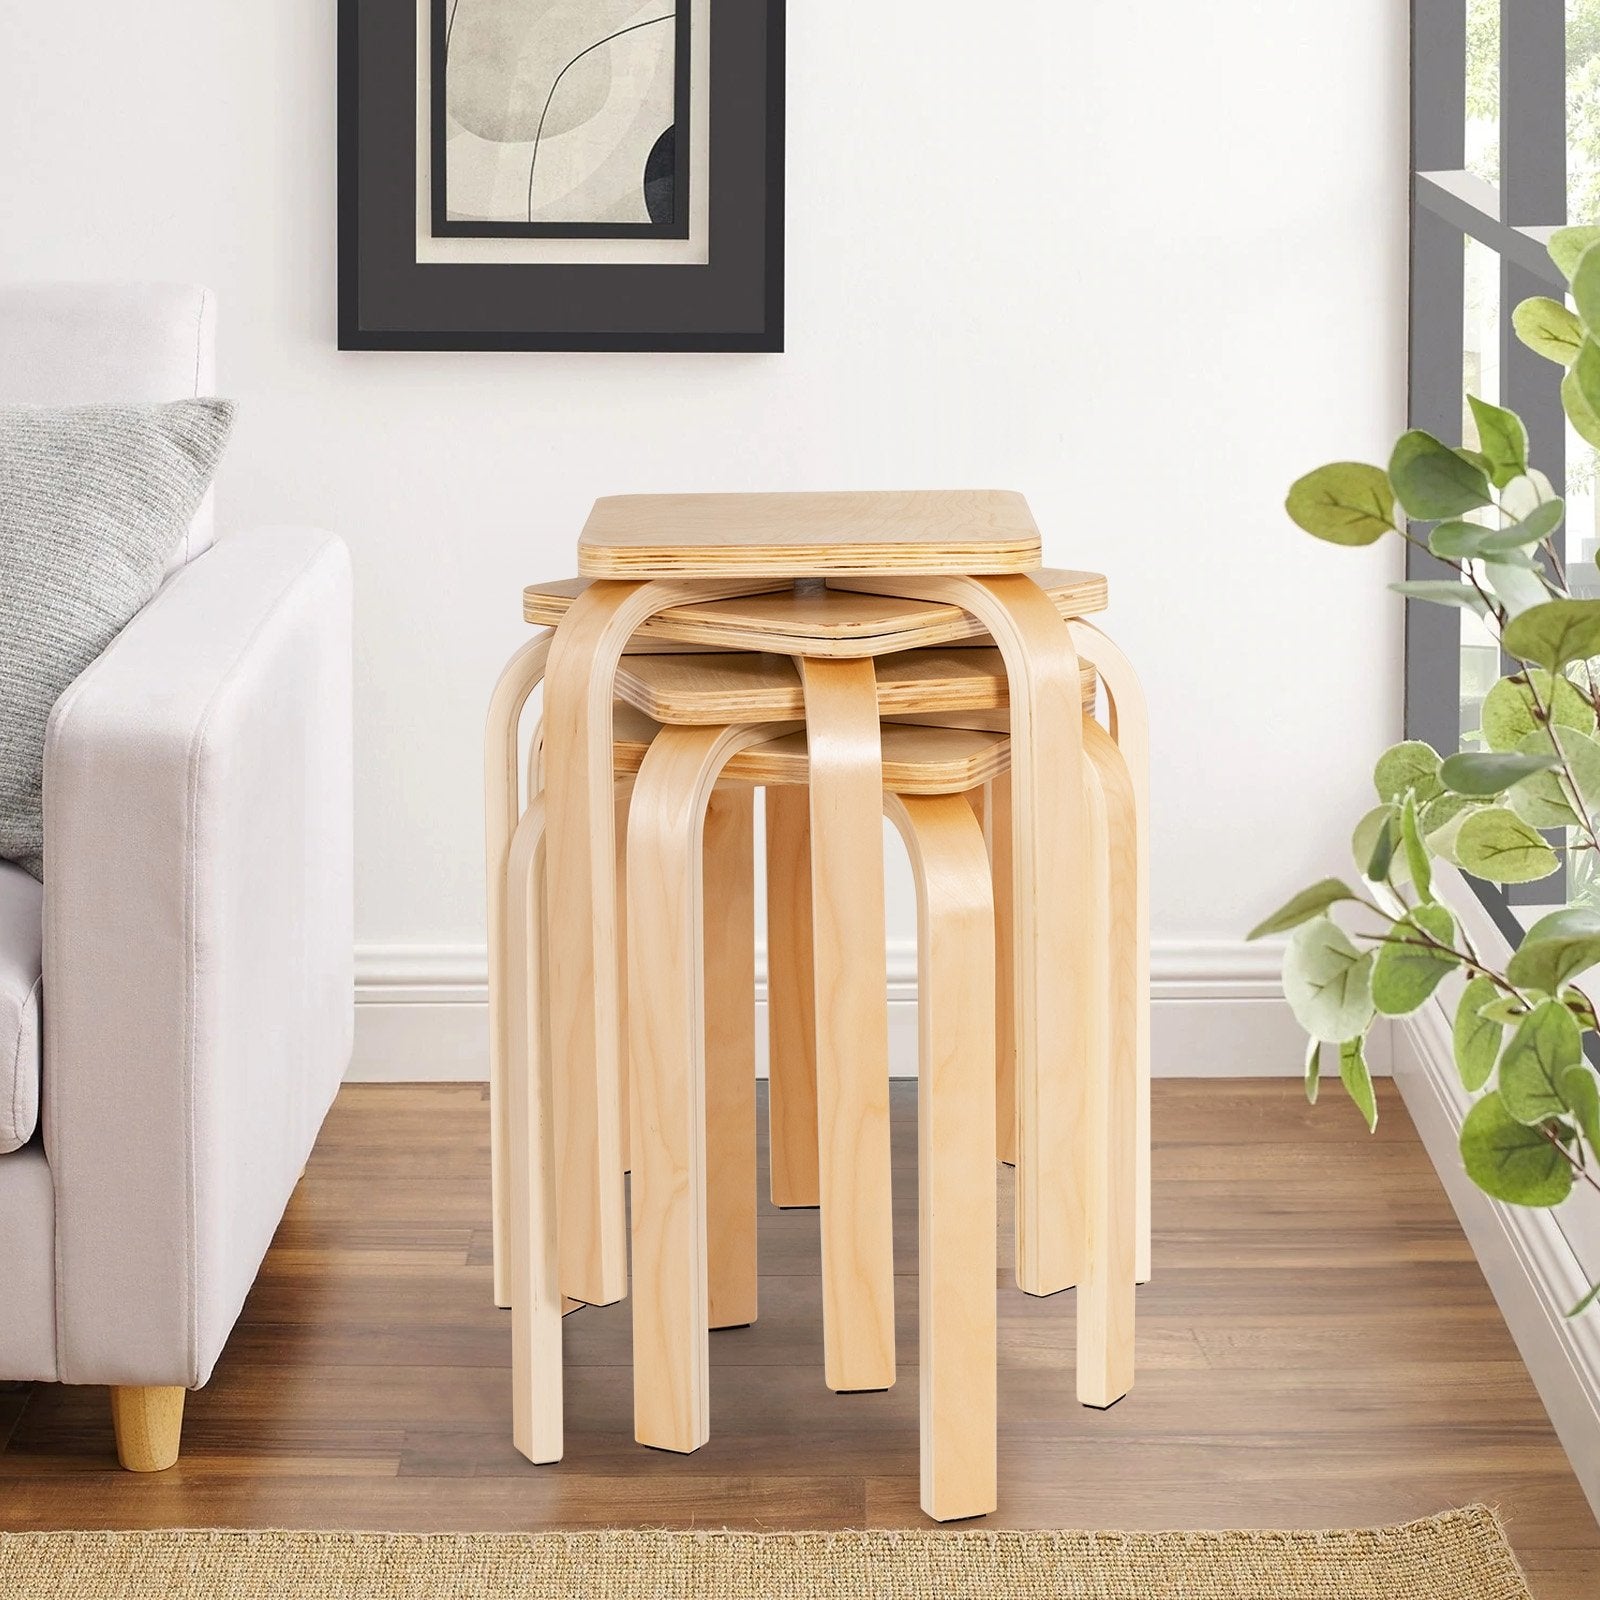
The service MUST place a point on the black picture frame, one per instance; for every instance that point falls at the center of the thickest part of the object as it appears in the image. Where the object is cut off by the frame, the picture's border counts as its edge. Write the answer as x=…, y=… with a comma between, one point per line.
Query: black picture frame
x=387, y=300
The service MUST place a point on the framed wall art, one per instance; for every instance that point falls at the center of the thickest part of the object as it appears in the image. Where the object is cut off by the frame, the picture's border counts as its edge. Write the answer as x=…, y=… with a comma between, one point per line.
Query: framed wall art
x=561, y=174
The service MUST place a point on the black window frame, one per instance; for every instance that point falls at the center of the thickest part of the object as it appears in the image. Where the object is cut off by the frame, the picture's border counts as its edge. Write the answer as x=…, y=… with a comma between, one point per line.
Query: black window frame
x=1448, y=206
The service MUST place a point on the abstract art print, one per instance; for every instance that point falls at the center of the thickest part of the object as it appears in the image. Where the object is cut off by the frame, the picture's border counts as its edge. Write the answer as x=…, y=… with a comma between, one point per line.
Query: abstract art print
x=561, y=119
x=561, y=174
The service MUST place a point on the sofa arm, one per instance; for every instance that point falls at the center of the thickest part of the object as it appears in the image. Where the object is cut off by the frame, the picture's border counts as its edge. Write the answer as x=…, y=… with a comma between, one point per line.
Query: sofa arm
x=198, y=947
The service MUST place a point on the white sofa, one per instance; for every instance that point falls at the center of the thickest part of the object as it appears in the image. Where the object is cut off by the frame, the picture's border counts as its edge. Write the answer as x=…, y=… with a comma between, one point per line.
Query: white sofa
x=175, y=1000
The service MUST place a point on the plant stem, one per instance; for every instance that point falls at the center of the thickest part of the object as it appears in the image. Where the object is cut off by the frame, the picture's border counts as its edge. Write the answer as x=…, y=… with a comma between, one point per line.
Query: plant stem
x=1578, y=1168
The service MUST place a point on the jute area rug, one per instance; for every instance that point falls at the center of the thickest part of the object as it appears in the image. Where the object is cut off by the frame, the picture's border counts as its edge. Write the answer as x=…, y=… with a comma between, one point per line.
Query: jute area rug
x=1462, y=1555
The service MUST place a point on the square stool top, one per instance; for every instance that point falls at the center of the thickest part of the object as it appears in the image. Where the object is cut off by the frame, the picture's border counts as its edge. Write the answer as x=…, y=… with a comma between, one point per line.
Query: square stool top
x=808, y=619
x=735, y=686
x=916, y=760
x=972, y=531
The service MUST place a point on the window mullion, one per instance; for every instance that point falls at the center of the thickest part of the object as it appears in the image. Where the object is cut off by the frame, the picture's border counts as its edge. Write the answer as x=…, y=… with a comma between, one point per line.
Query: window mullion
x=1533, y=193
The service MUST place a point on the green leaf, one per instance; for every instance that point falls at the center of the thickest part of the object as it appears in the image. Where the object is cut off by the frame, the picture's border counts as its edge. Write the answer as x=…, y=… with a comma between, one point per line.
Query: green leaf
x=1516, y=584
x=1555, y=798
x=1567, y=247
x=1357, y=1081
x=1410, y=766
x=1488, y=772
x=1372, y=844
x=1580, y=392
x=1431, y=481
x=1538, y=525
x=1582, y=1007
x=1407, y=970
x=1327, y=981
x=1442, y=592
x=1498, y=846
x=1417, y=868
x=1549, y=329
x=1503, y=438
x=1525, y=494
x=1383, y=847
x=1586, y=287
x=1581, y=1091
x=1587, y=1301
x=1313, y=1068
x=1542, y=800
x=1542, y=1046
x=1346, y=502
x=1509, y=1161
x=1534, y=528
x=1556, y=949
x=1506, y=1008
x=1462, y=541
x=1455, y=541
x=1303, y=907
x=1476, y=1038
x=1555, y=633
x=1441, y=820
x=1511, y=713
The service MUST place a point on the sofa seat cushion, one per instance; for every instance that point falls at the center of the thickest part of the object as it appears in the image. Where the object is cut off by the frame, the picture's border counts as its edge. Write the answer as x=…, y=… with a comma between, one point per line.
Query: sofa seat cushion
x=21, y=939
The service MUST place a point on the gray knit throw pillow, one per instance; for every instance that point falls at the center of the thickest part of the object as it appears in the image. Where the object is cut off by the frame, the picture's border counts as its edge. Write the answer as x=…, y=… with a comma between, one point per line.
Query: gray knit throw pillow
x=93, y=500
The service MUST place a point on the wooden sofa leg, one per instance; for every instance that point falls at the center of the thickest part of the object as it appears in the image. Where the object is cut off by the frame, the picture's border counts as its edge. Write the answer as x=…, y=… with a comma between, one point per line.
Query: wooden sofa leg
x=148, y=1424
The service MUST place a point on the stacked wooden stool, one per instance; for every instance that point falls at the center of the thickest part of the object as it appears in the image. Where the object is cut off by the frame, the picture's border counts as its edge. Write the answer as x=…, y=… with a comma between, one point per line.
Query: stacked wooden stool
x=852, y=654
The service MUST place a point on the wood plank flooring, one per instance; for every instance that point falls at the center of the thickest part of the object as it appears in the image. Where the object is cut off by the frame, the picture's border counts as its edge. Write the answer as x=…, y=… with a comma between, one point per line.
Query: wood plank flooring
x=1318, y=1348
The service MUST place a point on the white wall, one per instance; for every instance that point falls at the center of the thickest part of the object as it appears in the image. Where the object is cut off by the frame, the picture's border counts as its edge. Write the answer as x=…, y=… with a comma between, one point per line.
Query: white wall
x=1145, y=263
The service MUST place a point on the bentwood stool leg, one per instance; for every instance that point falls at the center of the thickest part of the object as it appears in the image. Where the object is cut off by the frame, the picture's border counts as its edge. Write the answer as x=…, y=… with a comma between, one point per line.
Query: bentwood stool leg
x=791, y=1002
x=501, y=797
x=1130, y=727
x=584, y=974
x=530, y=1247
x=1053, y=986
x=1104, y=1162
x=671, y=1350
x=991, y=805
x=844, y=746
x=624, y=797
x=997, y=831
x=730, y=979
x=955, y=1155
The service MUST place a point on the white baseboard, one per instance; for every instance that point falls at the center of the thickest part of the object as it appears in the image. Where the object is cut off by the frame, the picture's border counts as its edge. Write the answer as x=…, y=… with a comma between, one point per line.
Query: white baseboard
x=1218, y=1012
x=1525, y=1254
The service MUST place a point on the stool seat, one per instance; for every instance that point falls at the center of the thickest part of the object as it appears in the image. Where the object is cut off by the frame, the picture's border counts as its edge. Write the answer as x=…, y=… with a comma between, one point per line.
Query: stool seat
x=738, y=686
x=916, y=760
x=790, y=535
x=808, y=619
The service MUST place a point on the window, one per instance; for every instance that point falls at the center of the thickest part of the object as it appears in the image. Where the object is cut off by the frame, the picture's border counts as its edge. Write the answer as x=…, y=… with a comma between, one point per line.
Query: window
x=1505, y=135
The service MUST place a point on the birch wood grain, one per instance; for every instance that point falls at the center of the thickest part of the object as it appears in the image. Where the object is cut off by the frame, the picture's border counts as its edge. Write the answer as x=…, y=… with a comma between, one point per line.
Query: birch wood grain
x=844, y=751
x=502, y=806
x=671, y=1297
x=808, y=618
x=730, y=1017
x=532, y=1248
x=1129, y=721
x=1052, y=977
x=957, y=1319
x=741, y=686
x=789, y=534
x=584, y=974
x=1106, y=1100
x=791, y=1009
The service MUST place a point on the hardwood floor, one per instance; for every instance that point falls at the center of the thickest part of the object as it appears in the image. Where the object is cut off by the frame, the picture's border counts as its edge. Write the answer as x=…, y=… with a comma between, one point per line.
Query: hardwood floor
x=1318, y=1348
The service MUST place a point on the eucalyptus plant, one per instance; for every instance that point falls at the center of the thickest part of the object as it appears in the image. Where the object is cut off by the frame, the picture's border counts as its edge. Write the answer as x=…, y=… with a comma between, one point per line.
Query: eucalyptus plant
x=1381, y=948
